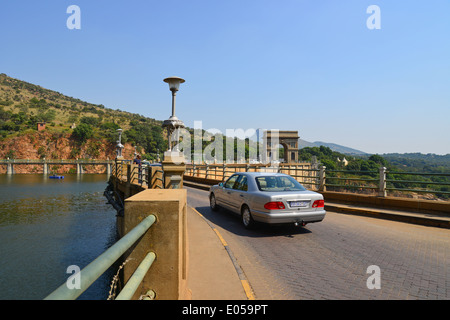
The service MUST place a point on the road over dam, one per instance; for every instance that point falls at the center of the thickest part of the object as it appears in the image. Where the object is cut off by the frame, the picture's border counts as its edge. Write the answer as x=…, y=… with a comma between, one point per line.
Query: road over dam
x=334, y=259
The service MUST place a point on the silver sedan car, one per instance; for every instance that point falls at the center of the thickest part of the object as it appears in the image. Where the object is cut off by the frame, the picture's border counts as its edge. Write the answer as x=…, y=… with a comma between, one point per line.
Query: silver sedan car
x=273, y=198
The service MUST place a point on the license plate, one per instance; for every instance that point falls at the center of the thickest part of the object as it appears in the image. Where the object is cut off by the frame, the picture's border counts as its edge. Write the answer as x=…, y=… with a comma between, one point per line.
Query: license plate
x=299, y=203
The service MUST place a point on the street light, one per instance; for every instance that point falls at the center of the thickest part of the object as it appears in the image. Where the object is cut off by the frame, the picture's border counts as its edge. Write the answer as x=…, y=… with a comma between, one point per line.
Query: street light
x=119, y=144
x=173, y=123
x=174, y=85
x=174, y=162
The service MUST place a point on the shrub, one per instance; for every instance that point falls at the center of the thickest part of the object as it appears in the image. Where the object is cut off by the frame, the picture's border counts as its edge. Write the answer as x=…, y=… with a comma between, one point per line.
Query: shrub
x=83, y=132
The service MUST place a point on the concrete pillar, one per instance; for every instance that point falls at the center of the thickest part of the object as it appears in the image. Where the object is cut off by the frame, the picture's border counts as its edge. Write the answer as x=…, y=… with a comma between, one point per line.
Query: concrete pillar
x=9, y=168
x=167, y=238
x=174, y=166
x=322, y=178
x=45, y=168
x=382, y=185
x=108, y=169
x=79, y=168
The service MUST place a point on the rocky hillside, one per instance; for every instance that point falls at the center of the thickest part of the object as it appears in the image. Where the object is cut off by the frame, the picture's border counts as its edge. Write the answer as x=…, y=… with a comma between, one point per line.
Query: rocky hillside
x=73, y=128
x=40, y=145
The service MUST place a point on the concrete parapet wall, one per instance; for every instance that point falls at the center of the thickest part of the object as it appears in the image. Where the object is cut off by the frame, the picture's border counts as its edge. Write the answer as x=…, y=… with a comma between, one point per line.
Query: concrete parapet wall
x=201, y=180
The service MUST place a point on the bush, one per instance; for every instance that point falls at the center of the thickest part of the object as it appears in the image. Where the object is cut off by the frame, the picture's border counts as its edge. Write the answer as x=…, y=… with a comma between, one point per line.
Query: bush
x=83, y=132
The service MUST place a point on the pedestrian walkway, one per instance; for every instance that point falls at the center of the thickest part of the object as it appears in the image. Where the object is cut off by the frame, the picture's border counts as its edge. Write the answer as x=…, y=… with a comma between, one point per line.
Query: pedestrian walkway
x=212, y=274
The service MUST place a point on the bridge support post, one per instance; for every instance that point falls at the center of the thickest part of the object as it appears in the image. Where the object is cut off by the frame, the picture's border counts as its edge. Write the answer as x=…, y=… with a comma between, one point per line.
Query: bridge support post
x=108, y=169
x=45, y=168
x=9, y=168
x=79, y=168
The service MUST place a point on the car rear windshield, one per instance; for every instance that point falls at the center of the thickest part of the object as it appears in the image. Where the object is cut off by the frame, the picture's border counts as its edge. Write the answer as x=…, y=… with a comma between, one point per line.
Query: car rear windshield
x=278, y=183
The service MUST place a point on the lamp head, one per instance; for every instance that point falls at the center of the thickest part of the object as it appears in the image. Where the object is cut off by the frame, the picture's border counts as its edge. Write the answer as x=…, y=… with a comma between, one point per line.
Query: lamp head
x=174, y=83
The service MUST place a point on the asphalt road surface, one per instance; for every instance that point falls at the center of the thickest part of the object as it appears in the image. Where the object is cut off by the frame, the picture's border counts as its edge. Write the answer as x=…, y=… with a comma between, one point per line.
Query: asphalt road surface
x=342, y=257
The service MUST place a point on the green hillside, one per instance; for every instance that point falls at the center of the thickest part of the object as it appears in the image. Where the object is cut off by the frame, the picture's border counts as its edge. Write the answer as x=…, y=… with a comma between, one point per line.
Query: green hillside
x=23, y=105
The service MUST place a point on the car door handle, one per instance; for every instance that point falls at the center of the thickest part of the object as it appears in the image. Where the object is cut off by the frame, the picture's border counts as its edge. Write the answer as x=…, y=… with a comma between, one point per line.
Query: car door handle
x=241, y=195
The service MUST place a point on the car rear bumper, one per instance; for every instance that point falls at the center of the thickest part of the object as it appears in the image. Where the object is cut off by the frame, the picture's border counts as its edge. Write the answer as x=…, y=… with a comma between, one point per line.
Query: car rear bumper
x=289, y=217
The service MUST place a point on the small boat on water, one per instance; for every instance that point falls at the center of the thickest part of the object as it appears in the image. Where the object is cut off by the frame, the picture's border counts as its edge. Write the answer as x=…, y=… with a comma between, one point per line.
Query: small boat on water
x=56, y=177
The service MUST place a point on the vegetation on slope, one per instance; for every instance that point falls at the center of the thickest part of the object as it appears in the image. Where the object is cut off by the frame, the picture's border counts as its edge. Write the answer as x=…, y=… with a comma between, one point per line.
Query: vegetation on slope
x=23, y=105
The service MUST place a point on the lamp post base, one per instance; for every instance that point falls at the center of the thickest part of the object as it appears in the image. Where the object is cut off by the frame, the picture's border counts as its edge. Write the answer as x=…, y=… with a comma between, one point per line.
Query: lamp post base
x=174, y=166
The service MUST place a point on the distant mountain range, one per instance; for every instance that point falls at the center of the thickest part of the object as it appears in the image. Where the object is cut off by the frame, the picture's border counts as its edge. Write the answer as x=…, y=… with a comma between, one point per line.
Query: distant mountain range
x=332, y=146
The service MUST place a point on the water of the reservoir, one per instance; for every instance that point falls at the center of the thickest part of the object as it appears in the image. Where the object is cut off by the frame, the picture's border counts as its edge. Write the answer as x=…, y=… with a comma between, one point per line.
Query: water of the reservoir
x=48, y=225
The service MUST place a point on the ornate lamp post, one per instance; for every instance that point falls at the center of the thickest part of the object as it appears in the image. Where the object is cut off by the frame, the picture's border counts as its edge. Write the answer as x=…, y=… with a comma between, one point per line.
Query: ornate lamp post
x=174, y=162
x=119, y=145
x=173, y=123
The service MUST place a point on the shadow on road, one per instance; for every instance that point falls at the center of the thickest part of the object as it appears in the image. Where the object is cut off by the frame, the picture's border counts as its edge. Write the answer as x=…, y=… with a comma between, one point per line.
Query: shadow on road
x=232, y=223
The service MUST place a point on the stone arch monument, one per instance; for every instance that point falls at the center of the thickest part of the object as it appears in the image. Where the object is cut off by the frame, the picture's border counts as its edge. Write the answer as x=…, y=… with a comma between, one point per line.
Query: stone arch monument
x=289, y=141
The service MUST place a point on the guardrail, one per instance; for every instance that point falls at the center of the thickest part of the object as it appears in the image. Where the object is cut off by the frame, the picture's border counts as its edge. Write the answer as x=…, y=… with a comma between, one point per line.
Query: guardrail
x=145, y=175
x=378, y=182
x=95, y=269
x=384, y=181
x=301, y=171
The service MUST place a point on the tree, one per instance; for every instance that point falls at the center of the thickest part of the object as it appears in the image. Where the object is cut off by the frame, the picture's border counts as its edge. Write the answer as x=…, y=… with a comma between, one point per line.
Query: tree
x=90, y=121
x=379, y=160
x=83, y=132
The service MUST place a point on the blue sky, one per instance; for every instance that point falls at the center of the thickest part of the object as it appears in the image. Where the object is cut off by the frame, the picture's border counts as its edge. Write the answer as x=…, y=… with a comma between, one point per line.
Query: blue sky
x=311, y=66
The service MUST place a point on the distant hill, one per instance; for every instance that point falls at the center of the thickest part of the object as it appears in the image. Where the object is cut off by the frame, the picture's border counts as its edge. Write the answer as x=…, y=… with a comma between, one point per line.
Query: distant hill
x=420, y=162
x=332, y=146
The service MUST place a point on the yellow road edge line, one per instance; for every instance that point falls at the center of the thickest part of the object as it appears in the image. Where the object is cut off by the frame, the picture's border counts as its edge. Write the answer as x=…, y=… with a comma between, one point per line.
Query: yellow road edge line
x=197, y=212
x=220, y=237
x=248, y=290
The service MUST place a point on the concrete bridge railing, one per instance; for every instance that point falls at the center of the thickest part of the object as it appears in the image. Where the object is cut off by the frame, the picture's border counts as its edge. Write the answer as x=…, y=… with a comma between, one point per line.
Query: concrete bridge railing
x=128, y=176
x=143, y=191
x=377, y=183
x=302, y=172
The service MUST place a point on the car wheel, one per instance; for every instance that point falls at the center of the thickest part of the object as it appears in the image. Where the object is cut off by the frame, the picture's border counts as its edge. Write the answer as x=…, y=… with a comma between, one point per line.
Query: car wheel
x=247, y=219
x=212, y=202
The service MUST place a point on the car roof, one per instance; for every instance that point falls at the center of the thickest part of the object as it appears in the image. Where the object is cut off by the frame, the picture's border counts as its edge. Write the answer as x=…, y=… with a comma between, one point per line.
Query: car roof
x=258, y=174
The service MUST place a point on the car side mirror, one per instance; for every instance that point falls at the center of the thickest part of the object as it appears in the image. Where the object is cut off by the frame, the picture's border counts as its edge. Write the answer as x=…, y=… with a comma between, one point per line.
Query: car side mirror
x=221, y=184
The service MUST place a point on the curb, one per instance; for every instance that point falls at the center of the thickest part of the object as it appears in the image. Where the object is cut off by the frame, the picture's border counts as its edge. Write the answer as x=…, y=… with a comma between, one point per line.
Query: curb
x=196, y=185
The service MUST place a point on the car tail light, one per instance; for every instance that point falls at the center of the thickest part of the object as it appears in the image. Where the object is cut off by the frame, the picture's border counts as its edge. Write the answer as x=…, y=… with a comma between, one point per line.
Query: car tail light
x=318, y=204
x=274, y=205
